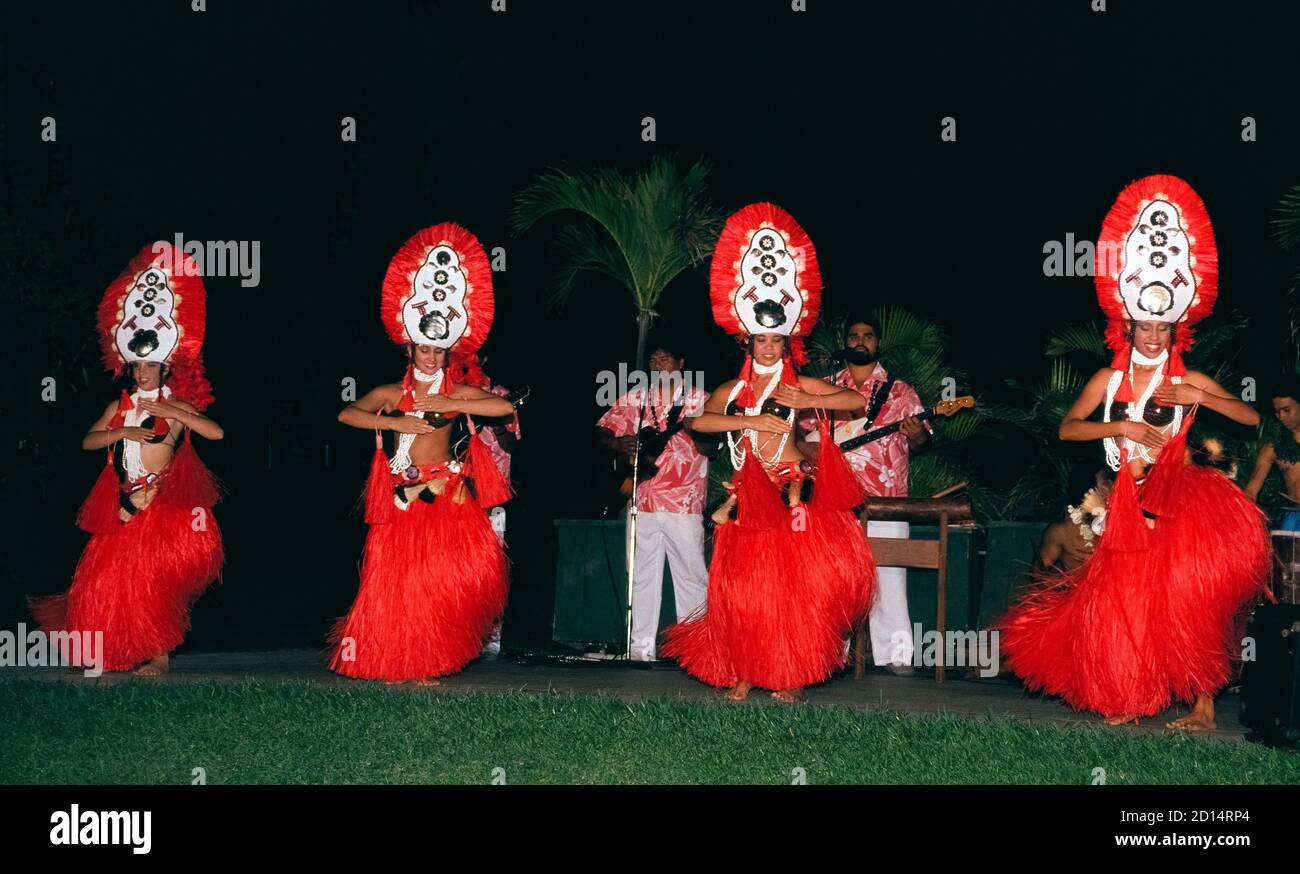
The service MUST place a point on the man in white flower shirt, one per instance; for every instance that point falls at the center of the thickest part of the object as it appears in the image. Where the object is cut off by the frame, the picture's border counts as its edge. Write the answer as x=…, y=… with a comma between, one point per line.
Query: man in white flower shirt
x=881, y=469
x=670, y=505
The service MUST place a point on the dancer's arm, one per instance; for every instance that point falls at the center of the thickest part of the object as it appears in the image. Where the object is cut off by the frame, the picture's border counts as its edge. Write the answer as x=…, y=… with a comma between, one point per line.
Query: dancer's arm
x=185, y=413
x=1075, y=425
x=465, y=399
x=100, y=435
x=368, y=411
x=714, y=418
x=818, y=394
x=1197, y=388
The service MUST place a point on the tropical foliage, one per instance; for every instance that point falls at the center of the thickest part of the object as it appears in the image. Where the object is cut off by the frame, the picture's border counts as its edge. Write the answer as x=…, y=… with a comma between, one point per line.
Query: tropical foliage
x=640, y=230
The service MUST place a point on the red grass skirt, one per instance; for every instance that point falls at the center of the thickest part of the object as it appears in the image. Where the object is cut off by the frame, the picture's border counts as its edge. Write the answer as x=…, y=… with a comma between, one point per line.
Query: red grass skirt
x=433, y=582
x=1128, y=633
x=137, y=584
x=780, y=604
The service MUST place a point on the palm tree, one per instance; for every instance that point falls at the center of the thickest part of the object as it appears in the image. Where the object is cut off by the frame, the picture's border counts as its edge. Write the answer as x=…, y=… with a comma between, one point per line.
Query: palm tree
x=641, y=231
x=1286, y=232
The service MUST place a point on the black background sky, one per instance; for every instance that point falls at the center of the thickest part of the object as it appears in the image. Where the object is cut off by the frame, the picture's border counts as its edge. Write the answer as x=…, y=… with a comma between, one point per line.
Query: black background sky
x=224, y=125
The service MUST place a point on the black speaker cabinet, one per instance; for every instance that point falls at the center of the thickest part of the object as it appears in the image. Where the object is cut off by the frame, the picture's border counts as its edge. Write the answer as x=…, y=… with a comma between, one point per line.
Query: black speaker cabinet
x=1270, y=683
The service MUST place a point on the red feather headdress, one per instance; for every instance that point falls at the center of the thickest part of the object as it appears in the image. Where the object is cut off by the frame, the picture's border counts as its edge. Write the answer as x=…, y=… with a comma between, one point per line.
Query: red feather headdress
x=438, y=291
x=155, y=311
x=764, y=279
x=1156, y=261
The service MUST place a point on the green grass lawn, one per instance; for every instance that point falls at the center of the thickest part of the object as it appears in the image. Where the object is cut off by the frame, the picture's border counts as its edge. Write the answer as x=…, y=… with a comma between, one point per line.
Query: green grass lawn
x=303, y=733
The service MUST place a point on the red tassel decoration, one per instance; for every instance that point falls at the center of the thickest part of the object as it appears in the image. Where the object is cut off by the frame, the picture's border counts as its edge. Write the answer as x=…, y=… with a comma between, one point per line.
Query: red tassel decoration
x=746, y=396
x=98, y=513
x=789, y=375
x=407, y=403
x=759, y=503
x=379, y=488
x=835, y=488
x=1160, y=491
x=1175, y=366
x=1126, y=530
x=1124, y=394
x=493, y=488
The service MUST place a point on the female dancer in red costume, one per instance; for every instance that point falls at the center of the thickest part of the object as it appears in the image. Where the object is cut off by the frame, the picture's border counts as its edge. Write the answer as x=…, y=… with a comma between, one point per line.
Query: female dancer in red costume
x=154, y=545
x=1148, y=618
x=433, y=579
x=791, y=573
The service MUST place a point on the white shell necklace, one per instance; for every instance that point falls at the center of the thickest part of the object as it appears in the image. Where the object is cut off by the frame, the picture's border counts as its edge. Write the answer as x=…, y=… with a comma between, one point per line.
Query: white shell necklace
x=1136, y=410
x=402, y=454
x=131, y=461
x=736, y=447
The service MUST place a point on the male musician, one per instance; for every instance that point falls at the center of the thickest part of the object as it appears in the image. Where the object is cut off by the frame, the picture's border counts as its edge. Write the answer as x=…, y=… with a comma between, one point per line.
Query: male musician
x=499, y=435
x=670, y=504
x=881, y=470
x=1282, y=447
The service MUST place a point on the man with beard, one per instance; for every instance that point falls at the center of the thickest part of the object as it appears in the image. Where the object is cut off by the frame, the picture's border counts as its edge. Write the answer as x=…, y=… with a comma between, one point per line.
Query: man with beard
x=880, y=467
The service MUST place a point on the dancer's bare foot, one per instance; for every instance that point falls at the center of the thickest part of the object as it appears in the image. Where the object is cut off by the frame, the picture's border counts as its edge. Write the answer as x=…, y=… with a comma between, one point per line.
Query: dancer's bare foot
x=1200, y=719
x=740, y=691
x=422, y=681
x=788, y=696
x=1122, y=720
x=155, y=667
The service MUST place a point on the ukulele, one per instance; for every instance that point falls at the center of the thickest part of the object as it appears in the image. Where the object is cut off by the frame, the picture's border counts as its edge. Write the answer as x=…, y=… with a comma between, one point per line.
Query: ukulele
x=853, y=434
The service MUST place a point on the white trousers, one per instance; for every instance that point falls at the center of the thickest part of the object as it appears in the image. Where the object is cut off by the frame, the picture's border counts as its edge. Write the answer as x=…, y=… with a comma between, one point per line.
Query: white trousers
x=497, y=516
x=891, y=626
x=679, y=537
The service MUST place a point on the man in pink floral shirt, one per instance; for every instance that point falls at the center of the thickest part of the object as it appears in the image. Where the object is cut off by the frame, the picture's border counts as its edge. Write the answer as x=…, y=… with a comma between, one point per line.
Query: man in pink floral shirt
x=499, y=436
x=670, y=505
x=881, y=469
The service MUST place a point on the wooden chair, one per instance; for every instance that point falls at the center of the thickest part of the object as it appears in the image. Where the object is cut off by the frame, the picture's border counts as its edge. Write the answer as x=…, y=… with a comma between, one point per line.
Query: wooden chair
x=920, y=554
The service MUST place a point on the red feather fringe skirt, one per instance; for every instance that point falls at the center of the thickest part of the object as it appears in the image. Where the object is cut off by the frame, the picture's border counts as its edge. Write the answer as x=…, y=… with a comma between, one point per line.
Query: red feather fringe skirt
x=1127, y=633
x=781, y=602
x=433, y=582
x=136, y=581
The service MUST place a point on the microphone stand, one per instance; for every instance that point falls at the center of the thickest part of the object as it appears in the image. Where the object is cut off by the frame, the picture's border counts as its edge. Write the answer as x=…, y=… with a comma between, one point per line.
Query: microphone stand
x=643, y=328
x=631, y=533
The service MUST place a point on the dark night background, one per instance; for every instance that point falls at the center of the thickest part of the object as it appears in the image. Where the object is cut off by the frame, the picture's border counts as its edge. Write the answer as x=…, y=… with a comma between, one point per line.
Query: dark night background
x=224, y=125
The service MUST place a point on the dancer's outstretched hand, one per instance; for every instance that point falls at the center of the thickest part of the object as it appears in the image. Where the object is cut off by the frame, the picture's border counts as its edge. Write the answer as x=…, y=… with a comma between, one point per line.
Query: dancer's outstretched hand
x=1141, y=432
x=1182, y=394
x=139, y=435
x=410, y=425
x=768, y=422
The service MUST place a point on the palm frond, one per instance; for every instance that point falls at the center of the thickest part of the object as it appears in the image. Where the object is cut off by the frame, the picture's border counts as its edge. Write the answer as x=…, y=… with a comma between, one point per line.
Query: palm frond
x=1285, y=225
x=658, y=222
x=1085, y=339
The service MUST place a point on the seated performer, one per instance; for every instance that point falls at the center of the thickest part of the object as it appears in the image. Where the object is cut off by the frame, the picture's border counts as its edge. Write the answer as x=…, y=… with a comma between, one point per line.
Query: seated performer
x=433, y=579
x=1282, y=447
x=670, y=500
x=1068, y=543
x=154, y=545
x=791, y=573
x=1147, y=620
